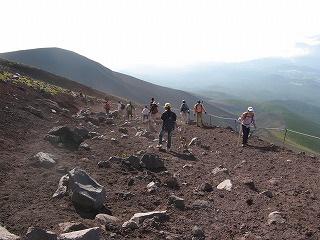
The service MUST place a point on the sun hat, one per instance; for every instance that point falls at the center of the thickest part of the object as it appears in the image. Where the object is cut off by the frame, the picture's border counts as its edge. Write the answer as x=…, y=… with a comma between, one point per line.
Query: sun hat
x=250, y=109
x=167, y=105
x=183, y=101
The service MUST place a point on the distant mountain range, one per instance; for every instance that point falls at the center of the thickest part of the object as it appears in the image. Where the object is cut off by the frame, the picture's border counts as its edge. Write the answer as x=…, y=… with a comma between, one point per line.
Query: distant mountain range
x=284, y=92
x=263, y=79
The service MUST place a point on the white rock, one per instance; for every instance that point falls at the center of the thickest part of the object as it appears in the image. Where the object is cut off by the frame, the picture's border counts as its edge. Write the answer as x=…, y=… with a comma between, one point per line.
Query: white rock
x=226, y=184
x=87, y=234
x=6, y=235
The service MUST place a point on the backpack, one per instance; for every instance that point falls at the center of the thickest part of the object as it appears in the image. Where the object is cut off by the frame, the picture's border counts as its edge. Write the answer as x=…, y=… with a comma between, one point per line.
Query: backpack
x=154, y=109
x=169, y=122
x=184, y=108
x=129, y=107
x=122, y=106
x=245, y=114
x=198, y=108
x=107, y=106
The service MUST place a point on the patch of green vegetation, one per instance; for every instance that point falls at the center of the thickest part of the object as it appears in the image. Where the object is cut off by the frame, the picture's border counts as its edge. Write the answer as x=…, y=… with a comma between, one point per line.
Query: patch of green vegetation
x=271, y=115
x=297, y=123
x=34, y=84
x=123, y=155
x=308, y=144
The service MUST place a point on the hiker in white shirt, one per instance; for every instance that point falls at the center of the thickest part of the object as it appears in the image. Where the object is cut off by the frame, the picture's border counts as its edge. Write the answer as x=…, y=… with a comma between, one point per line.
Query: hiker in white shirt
x=247, y=118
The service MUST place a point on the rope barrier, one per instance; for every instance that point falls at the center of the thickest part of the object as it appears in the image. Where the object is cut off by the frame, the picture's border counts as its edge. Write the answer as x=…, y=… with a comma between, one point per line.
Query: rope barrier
x=286, y=130
x=222, y=117
x=275, y=129
x=307, y=135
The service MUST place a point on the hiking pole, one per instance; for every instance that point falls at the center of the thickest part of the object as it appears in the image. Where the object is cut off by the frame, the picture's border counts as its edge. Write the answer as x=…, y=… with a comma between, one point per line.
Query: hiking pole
x=240, y=131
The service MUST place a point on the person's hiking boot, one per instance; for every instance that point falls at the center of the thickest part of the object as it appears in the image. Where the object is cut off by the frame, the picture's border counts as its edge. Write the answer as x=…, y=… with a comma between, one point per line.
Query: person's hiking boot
x=159, y=146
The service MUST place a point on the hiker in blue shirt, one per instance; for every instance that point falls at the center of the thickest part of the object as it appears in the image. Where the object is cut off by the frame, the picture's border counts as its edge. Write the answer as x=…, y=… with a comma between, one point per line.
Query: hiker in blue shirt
x=184, y=111
x=169, y=119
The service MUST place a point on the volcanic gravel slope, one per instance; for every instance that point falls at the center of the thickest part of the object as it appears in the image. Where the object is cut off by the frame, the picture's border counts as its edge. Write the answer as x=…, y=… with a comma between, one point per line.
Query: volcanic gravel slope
x=241, y=213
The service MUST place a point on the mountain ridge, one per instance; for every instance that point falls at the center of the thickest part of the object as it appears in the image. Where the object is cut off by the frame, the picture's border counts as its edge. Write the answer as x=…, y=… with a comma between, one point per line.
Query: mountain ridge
x=213, y=189
x=102, y=78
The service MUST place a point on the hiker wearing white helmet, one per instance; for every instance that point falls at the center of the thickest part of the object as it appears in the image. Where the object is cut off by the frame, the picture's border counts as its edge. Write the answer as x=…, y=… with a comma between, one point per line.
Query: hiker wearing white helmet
x=169, y=119
x=247, y=118
x=184, y=111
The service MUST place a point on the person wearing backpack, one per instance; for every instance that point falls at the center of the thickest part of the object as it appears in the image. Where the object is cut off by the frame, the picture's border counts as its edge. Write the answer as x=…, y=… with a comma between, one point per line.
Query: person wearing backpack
x=153, y=110
x=184, y=111
x=246, y=119
x=197, y=110
x=169, y=119
x=121, y=107
x=130, y=109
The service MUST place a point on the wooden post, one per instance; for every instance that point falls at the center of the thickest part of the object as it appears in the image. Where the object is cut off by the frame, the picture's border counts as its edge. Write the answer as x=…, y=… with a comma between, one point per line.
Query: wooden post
x=284, y=139
x=240, y=131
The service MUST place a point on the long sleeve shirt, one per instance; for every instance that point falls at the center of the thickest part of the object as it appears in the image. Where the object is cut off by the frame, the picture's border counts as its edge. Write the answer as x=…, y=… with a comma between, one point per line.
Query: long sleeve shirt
x=247, y=118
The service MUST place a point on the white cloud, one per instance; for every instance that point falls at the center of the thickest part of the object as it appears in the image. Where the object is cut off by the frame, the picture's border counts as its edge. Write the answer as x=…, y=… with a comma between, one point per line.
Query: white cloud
x=126, y=33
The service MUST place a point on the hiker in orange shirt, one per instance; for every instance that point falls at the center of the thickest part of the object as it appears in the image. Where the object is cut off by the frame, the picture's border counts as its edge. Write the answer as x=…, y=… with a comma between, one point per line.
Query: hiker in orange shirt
x=197, y=110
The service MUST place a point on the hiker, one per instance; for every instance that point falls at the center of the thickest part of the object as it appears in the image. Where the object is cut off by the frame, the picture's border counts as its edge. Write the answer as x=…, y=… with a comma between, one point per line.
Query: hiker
x=184, y=111
x=169, y=119
x=145, y=113
x=197, y=110
x=153, y=110
x=246, y=119
x=80, y=93
x=107, y=107
x=129, y=109
x=121, y=107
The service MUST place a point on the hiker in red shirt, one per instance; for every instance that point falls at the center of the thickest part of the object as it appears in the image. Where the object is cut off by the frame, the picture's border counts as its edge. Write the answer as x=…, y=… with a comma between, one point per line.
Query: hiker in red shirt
x=107, y=107
x=153, y=110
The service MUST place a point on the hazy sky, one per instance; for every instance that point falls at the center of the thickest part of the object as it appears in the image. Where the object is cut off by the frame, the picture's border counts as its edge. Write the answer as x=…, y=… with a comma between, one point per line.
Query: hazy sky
x=124, y=34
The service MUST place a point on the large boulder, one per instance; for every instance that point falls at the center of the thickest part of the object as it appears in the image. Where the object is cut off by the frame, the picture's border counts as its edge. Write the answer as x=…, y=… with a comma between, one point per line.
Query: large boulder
x=44, y=160
x=152, y=162
x=132, y=161
x=53, y=105
x=82, y=131
x=34, y=111
x=140, y=217
x=67, y=136
x=35, y=233
x=86, y=192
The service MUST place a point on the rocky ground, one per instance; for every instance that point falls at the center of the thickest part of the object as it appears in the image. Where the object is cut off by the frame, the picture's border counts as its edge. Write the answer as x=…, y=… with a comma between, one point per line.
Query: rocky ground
x=272, y=193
